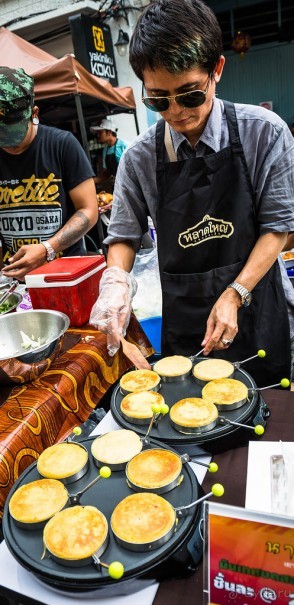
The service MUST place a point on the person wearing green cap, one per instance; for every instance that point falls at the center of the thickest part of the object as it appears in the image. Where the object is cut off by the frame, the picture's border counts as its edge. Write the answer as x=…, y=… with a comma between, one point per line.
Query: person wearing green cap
x=47, y=191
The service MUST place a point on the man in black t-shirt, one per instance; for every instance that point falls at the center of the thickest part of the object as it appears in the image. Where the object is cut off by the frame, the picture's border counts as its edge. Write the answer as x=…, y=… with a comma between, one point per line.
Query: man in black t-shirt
x=47, y=192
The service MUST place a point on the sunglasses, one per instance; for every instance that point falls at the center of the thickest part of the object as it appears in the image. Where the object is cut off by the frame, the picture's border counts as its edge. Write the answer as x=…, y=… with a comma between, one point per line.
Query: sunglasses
x=193, y=98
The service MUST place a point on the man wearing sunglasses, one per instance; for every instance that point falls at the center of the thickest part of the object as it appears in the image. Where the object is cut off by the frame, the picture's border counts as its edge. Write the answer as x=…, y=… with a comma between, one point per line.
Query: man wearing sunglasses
x=47, y=192
x=217, y=180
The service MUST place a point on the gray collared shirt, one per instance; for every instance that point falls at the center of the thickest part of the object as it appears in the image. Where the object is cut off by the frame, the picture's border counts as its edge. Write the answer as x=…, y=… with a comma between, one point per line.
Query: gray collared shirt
x=268, y=147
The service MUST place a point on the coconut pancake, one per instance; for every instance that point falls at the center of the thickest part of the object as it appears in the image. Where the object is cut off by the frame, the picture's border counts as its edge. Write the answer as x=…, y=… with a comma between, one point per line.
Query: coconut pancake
x=139, y=380
x=142, y=518
x=173, y=366
x=154, y=468
x=138, y=405
x=193, y=412
x=116, y=447
x=62, y=460
x=225, y=391
x=38, y=501
x=211, y=369
x=75, y=533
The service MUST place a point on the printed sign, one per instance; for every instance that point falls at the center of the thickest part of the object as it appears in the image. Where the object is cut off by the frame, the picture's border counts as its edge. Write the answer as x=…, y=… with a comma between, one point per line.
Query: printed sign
x=250, y=557
x=267, y=105
x=93, y=47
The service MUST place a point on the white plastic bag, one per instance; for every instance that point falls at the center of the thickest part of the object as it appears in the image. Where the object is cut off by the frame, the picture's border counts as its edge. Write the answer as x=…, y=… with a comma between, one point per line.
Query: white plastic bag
x=148, y=300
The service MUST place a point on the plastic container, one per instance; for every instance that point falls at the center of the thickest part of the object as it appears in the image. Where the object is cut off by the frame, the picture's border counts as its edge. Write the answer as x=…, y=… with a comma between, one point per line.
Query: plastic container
x=69, y=285
x=152, y=328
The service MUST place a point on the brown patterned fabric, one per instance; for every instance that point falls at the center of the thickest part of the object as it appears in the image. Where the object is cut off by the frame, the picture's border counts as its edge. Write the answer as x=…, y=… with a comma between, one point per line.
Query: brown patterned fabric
x=43, y=412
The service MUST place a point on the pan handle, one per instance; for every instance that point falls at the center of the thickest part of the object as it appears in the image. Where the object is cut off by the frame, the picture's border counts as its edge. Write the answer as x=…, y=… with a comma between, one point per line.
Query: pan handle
x=212, y=466
x=116, y=569
x=258, y=429
x=158, y=410
x=216, y=490
x=260, y=353
x=285, y=383
x=104, y=473
x=194, y=357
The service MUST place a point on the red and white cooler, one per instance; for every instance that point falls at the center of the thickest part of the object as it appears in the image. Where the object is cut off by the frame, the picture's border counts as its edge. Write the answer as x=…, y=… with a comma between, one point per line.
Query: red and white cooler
x=69, y=284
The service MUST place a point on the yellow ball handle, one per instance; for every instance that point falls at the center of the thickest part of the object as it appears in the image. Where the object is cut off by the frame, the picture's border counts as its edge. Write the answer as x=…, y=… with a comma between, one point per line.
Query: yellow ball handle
x=218, y=490
x=77, y=430
x=104, y=472
x=259, y=429
x=212, y=467
x=116, y=570
x=155, y=408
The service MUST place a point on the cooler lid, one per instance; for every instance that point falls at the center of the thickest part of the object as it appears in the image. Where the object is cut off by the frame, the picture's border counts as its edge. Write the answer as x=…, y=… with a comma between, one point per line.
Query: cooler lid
x=68, y=268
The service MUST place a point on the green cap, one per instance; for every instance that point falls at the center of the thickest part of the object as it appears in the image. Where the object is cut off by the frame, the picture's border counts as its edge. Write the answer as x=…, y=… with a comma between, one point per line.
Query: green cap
x=16, y=102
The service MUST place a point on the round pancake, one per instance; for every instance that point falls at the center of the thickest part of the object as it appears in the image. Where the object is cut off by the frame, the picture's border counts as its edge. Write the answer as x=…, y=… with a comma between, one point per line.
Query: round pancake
x=62, y=460
x=76, y=532
x=138, y=405
x=225, y=391
x=38, y=501
x=116, y=447
x=193, y=412
x=142, y=518
x=176, y=365
x=153, y=469
x=139, y=380
x=210, y=369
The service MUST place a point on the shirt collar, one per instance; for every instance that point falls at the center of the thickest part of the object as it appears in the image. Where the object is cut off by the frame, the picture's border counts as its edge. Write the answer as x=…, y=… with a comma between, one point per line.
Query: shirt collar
x=211, y=135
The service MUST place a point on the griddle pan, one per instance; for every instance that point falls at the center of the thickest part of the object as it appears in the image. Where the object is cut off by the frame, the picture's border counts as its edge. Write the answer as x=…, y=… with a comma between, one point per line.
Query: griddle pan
x=27, y=547
x=221, y=437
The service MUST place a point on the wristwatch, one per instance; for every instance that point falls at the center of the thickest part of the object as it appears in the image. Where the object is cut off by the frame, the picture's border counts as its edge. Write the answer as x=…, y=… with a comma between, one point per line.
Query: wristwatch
x=246, y=296
x=50, y=252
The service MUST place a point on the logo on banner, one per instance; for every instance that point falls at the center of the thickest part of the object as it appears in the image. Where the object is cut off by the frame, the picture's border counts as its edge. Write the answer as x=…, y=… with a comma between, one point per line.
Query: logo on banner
x=98, y=39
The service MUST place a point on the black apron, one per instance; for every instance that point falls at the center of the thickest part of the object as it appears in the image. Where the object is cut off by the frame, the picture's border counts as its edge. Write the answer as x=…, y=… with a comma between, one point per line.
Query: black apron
x=206, y=229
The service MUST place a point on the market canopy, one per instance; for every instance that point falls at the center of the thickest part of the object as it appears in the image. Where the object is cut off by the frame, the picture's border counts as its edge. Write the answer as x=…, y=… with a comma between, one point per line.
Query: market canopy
x=64, y=89
x=57, y=84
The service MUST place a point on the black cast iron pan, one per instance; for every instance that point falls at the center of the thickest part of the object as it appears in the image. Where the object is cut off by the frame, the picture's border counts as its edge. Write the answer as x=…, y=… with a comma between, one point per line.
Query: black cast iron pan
x=27, y=547
x=221, y=437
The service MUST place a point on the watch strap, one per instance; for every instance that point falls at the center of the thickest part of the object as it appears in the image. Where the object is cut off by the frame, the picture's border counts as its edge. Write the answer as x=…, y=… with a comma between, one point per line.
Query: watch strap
x=244, y=293
x=50, y=252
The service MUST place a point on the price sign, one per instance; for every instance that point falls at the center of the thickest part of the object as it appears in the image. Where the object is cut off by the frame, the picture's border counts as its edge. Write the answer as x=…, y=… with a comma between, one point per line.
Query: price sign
x=250, y=557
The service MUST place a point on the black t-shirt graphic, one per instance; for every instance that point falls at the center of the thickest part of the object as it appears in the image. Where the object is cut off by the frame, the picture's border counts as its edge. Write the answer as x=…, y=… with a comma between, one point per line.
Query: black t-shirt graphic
x=34, y=186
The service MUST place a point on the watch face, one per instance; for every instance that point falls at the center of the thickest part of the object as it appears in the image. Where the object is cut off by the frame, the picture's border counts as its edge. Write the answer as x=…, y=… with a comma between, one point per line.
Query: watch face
x=247, y=299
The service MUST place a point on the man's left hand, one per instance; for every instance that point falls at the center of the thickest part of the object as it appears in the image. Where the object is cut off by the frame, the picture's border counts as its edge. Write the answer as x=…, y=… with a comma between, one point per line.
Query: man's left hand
x=222, y=324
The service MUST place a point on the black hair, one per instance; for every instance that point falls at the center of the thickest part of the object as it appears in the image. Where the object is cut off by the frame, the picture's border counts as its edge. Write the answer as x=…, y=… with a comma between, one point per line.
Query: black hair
x=178, y=35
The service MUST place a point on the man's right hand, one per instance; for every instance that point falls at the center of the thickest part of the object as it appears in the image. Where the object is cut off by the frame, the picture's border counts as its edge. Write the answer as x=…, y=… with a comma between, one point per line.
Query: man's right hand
x=111, y=312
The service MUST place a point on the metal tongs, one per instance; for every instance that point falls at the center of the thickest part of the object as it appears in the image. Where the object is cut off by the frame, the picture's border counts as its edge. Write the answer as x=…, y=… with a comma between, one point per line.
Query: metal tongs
x=6, y=294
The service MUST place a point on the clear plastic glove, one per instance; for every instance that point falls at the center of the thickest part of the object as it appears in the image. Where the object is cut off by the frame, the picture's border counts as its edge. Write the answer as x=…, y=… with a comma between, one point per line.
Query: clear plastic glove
x=111, y=312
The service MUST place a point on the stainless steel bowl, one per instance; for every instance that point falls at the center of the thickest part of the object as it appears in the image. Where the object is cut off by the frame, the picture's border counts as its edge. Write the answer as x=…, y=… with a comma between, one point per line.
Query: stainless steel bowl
x=14, y=299
x=19, y=365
